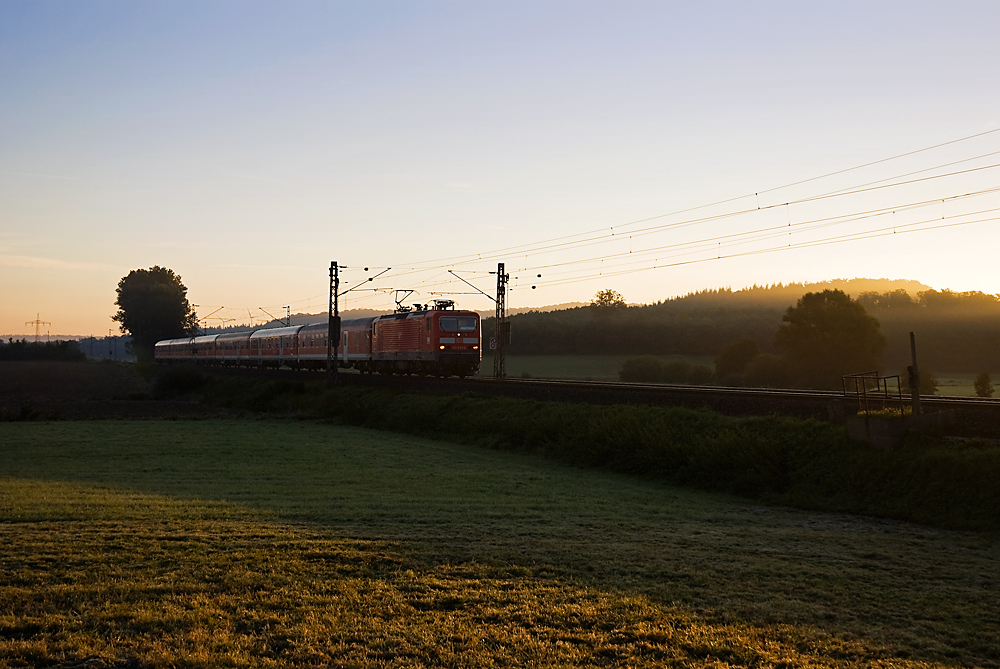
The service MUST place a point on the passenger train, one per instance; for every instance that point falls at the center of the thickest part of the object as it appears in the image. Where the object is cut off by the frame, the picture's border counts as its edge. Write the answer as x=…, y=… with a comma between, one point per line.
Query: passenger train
x=432, y=339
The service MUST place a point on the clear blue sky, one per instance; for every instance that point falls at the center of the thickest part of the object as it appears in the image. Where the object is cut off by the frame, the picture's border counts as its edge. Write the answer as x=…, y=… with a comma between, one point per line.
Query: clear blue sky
x=247, y=144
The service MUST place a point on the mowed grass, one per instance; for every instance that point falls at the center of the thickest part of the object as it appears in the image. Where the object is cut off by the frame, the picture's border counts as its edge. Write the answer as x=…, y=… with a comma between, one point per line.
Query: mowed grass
x=588, y=367
x=280, y=543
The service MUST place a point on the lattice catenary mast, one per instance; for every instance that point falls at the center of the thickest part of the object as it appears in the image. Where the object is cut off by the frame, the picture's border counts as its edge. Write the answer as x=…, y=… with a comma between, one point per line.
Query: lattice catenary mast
x=502, y=325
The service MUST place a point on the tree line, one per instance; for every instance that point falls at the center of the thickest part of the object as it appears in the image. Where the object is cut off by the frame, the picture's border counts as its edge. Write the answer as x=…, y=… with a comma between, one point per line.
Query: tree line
x=956, y=331
x=756, y=327
x=22, y=349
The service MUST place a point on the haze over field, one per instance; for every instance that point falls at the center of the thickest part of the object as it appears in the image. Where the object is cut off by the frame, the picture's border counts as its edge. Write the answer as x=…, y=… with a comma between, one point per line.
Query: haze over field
x=246, y=145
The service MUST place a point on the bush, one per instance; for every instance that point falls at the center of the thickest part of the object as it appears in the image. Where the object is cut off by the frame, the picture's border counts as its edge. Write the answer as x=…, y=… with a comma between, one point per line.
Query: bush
x=984, y=385
x=732, y=362
x=644, y=368
x=650, y=369
x=676, y=371
x=767, y=371
x=928, y=381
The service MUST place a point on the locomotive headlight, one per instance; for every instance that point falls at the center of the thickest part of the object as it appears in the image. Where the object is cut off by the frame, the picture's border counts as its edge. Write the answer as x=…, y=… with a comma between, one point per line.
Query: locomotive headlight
x=475, y=348
x=441, y=347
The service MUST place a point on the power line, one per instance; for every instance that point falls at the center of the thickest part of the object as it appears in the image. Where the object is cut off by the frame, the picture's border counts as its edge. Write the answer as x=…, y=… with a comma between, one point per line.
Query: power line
x=799, y=226
x=869, y=234
x=605, y=237
x=612, y=234
x=527, y=248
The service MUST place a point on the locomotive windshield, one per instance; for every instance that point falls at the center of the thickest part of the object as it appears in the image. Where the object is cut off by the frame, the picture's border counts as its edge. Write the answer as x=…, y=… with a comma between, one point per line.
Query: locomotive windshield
x=458, y=323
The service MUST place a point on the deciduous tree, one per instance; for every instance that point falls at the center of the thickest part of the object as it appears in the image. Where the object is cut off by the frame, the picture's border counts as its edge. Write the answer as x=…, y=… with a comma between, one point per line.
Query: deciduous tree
x=152, y=305
x=607, y=303
x=610, y=299
x=826, y=335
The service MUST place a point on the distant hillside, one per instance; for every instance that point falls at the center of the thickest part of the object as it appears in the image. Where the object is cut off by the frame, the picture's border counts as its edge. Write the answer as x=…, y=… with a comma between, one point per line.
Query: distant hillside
x=955, y=331
x=787, y=294
x=540, y=310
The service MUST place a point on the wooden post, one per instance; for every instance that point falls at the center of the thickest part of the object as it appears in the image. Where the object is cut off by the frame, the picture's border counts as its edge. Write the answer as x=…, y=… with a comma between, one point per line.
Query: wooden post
x=914, y=377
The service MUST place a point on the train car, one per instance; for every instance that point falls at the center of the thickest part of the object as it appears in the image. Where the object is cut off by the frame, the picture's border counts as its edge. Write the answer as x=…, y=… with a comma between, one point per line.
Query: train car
x=353, y=350
x=438, y=340
x=204, y=349
x=233, y=348
x=275, y=347
x=430, y=339
x=174, y=350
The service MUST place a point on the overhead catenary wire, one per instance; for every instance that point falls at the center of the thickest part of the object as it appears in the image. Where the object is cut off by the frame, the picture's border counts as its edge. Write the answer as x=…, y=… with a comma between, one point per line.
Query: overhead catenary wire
x=803, y=225
x=413, y=274
x=806, y=244
x=744, y=237
x=520, y=247
x=869, y=234
x=605, y=237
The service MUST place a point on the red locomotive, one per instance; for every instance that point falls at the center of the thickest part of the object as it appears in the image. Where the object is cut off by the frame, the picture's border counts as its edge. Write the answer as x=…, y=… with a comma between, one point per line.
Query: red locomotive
x=429, y=339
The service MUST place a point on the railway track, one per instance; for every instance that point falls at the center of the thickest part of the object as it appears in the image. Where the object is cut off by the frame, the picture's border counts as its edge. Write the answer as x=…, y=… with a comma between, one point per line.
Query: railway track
x=823, y=405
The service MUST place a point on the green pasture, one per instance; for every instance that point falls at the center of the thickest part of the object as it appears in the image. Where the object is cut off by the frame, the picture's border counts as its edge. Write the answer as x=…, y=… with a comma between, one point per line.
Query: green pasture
x=583, y=367
x=277, y=542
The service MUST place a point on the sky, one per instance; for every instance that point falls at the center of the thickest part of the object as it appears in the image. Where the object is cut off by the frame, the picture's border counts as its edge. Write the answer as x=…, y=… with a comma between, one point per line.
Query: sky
x=639, y=146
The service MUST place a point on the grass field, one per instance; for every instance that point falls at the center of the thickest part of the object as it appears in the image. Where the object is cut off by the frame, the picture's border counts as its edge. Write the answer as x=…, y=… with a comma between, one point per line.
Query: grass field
x=589, y=367
x=278, y=543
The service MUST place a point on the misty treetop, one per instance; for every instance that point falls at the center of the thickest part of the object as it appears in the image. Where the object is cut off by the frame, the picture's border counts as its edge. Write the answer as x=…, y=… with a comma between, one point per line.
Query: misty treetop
x=969, y=303
x=153, y=305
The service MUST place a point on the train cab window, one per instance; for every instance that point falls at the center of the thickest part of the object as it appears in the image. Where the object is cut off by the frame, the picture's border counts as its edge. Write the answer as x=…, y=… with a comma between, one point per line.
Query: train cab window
x=458, y=323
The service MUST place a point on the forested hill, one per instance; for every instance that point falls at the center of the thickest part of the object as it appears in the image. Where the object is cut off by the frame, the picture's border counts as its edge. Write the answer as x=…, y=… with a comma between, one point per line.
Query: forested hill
x=955, y=331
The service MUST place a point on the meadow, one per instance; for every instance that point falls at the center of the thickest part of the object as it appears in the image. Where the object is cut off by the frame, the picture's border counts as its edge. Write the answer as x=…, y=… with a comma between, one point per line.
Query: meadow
x=278, y=542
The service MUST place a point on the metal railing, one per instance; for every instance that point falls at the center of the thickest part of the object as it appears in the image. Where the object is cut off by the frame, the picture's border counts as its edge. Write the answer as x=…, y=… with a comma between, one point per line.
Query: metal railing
x=874, y=392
